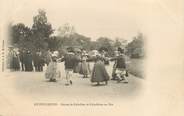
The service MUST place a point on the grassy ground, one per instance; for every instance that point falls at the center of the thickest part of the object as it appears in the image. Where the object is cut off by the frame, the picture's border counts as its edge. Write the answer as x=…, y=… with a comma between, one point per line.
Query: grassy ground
x=135, y=67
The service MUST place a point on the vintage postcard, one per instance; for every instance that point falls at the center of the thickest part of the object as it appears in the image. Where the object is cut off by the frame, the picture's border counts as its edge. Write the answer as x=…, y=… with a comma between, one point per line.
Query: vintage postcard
x=91, y=57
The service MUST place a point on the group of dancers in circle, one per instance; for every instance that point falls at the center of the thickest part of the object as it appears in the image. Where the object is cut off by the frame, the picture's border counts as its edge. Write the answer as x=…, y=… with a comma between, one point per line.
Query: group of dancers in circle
x=78, y=62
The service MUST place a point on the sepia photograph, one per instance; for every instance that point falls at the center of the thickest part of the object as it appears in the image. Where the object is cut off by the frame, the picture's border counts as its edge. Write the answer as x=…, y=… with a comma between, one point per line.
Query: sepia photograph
x=72, y=57
x=55, y=54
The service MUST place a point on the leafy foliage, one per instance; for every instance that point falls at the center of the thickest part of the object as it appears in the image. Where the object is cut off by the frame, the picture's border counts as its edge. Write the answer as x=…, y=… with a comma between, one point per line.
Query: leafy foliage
x=41, y=30
x=20, y=34
x=40, y=36
x=136, y=47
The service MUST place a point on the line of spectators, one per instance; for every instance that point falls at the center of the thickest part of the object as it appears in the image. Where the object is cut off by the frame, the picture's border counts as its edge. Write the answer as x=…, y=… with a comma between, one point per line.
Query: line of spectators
x=25, y=60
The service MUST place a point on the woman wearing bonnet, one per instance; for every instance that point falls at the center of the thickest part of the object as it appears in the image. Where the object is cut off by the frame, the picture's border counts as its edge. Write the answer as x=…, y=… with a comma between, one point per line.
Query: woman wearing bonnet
x=52, y=72
x=99, y=73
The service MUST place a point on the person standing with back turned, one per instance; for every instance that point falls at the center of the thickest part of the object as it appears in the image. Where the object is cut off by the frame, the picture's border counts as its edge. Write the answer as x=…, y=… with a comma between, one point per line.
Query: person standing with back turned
x=70, y=60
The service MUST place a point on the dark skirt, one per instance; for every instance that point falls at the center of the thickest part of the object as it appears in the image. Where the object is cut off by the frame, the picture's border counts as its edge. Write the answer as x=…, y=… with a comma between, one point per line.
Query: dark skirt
x=28, y=63
x=77, y=68
x=16, y=64
x=99, y=73
x=84, y=68
x=28, y=66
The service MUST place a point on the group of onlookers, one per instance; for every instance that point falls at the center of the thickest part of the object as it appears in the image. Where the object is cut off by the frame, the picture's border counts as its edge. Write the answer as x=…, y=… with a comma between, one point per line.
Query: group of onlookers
x=25, y=60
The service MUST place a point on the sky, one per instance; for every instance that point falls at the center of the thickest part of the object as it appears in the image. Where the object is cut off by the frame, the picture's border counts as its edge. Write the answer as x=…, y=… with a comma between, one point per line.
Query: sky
x=93, y=18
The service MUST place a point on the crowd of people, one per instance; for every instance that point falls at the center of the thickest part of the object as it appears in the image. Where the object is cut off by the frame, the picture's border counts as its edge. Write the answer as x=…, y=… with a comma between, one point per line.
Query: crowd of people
x=78, y=62
x=25, y=60
x=75, y=61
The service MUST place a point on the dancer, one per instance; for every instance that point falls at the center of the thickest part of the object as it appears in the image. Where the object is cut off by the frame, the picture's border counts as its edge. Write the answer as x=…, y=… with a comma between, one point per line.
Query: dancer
x=120, y=69
x=69, y=59
x=99, y=73
x=77, y=66
x=114, y=77
x=84, y=67
x=52, y=72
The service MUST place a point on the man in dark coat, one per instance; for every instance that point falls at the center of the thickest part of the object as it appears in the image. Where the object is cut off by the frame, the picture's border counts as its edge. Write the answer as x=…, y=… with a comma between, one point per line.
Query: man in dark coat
x=120, y=68
x=38, y=61
x=28, y=61
x=22, y=59
x=70, y=60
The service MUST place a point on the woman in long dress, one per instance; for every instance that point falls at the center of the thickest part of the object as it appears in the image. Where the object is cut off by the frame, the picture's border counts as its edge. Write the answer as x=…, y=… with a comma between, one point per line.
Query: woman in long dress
x=13, y=60
x=16, y=61
x=84, y=67
x=99, y=73
x=77, y=63
x=47, y=57
x=52, y=72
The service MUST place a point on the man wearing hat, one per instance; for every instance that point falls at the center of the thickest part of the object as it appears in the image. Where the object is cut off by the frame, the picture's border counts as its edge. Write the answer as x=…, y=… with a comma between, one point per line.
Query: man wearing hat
x=120, y=69
x=69, y=59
